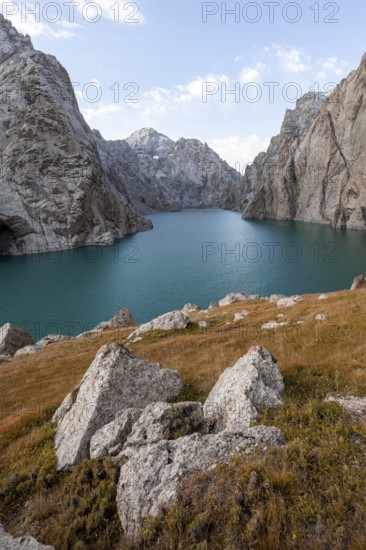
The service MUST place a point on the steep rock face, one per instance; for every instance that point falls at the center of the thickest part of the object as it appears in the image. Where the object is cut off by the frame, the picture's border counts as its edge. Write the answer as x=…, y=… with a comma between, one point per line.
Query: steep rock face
x=170, y=175
x=54, y=191
x=315, y=169
x=268, y=188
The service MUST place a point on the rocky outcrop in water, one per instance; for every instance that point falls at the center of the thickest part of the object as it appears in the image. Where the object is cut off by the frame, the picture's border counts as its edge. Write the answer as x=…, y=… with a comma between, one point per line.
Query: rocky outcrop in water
x=314, y=170
x=54, y=190
x=161, y=174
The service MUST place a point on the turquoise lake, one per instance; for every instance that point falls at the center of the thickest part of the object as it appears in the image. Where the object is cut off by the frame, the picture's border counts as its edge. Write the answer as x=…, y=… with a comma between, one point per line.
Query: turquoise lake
x=191, y=256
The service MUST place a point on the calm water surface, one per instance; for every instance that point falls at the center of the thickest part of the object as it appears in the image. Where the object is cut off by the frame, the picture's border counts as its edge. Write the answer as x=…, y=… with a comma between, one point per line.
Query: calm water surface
x=191, y=256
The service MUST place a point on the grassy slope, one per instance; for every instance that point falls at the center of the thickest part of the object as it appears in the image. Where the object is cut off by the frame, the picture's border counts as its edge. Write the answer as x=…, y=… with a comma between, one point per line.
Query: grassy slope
x=309, y=494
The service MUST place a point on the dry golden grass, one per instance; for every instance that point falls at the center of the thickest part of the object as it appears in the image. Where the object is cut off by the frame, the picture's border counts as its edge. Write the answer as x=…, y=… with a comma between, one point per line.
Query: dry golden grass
x=316, y=358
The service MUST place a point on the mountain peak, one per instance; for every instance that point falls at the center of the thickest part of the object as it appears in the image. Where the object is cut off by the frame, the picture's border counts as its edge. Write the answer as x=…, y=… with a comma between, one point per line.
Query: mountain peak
x=11, y=40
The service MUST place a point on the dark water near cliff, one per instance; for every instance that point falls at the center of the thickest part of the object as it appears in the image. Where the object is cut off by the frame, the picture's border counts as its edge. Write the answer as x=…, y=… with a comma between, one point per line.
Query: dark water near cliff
x=186, y=258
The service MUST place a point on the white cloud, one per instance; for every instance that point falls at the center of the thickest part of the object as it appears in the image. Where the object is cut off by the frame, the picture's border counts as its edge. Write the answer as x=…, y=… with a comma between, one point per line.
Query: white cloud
x=91, y=113
x=334, y=65
x=251, y=74
x=239, y=151
x=292, y=60
x=27, y=23
x=195, y=90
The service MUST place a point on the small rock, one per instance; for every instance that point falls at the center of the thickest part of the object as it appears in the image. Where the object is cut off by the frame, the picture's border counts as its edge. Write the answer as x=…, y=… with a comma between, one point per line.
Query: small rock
x=321, y=317
x=190, y=308
x=275, y=297
x=237, y=297
x=203, y=324
x=41, y=344
x=355, y=406
x=122, y=318
x=323, y=297
x=273, y=324
x=359, y=282
x=8, y=542
x=12, y=339
x=213, y=305
x=289, y=302
x=241, y=315
x=173, y=320
x=243, y=390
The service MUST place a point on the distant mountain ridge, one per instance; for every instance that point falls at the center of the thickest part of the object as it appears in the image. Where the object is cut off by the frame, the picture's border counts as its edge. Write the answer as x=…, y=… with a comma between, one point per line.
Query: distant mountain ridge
x=161, y=174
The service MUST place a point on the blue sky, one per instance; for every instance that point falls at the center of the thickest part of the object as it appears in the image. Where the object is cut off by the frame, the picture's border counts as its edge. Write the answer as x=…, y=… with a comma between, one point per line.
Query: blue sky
x=170, y=65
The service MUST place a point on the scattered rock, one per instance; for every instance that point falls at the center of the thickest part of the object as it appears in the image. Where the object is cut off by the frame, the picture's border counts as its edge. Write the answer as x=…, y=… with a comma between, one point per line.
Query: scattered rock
x=117, y=379
x=301, y=322
x=7, y=542
x=110, y=439
x=237, y=297
x=122, y=318
x=150, y=477
x=12, y=339
x=243, y=390
x=166, y=421
x=41, y=344
x=323, y=297
x=4, y=357
x=173, y=320
x=273, y=324
x=213, y=305
x=321, y=317
x=289, y=302
x=359, y=282
x=89, y=334
x=280, y=316
x=190, y=308
x=275, y=297
x=355, y=406
x=203, y=324
x=241, y=315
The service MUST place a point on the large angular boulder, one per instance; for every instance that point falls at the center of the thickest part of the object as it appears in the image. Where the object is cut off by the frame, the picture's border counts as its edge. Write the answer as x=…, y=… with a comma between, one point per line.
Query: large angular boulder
x=151, y=473
x=117, y=379
x=12, y=339
x=121, y=319
x=253, y=383
x=359, y=282
x=174, y=320
x=110, y=439
x=7, y=542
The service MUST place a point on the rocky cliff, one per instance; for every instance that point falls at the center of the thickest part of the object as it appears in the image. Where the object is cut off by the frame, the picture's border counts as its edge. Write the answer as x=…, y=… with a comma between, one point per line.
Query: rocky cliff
x=315, y=169
x=168, y=175
x=54, y=190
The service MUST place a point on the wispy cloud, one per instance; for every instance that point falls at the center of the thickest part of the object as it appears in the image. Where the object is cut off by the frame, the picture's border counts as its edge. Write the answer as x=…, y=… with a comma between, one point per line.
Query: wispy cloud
x=239, y=151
